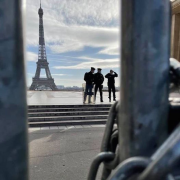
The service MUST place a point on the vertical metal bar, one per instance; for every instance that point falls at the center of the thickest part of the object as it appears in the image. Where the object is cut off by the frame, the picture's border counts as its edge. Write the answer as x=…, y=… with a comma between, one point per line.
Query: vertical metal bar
x=145, y=52
x=13, y=124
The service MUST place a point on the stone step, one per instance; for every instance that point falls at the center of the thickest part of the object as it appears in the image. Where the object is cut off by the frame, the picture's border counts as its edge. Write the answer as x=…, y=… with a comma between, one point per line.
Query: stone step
x=66, y=123
x=69, y=113
x=68, y=106
x=69, y=109
x=66, y=118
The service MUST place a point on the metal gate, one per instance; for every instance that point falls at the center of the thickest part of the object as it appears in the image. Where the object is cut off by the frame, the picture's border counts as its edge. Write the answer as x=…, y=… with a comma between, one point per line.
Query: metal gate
x=143, y=115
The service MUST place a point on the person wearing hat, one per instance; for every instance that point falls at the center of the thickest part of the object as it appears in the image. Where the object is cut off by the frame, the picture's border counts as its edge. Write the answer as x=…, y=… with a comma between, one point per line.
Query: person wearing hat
x=89, y=78
x=98, y=81
x=111, y=84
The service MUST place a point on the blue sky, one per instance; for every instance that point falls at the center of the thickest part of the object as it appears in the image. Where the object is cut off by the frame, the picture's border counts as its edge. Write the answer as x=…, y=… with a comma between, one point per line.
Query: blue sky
x=78, y=34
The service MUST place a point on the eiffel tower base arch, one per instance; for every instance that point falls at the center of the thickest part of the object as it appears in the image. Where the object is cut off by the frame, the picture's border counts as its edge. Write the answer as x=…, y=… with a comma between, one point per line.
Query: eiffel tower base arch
x=43, y=82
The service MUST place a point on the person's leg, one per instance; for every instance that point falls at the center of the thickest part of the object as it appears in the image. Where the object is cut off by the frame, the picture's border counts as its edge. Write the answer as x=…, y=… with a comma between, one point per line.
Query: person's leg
x=100, y=90
x=85, y=93
x=114, y=94
x=109, y=89
x=90, y=92
x=96, y=88
x=90, y=89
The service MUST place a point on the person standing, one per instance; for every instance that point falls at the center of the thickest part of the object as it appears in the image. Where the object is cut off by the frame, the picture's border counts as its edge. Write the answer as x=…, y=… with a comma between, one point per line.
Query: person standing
x=89, y=78
x=111, y=84
x=98, y=81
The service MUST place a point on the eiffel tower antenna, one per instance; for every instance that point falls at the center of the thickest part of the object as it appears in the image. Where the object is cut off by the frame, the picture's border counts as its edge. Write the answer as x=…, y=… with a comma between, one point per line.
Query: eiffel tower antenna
x=40, y=3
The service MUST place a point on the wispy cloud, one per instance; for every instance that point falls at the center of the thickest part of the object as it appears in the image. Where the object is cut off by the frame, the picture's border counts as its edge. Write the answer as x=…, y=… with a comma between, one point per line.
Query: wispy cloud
x=31, y=74
x=105, y=64
x=71, y=25
x=82, y=12
x=44, y=75
x=110, y=51
x=30, y=56
x=60, y=74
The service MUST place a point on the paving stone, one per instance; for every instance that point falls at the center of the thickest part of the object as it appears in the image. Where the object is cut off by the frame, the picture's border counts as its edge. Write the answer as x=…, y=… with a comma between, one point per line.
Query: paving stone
x=34, y=129
x=78, y=126
x=59, y=97
x=44, y=128
x=70, y=126
x=63, y=156
x=86, y=126
x=54, y=127
x=98, y=125
x=62, y=127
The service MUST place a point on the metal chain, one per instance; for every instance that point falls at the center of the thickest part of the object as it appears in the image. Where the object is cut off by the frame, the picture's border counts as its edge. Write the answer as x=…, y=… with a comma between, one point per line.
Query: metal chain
x=109, y=155
x=109, y=146
x=165, y=161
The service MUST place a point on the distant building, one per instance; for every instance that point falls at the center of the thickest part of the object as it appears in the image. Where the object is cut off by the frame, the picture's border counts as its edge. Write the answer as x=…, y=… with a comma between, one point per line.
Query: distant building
x=76, y=87
x=60, y=86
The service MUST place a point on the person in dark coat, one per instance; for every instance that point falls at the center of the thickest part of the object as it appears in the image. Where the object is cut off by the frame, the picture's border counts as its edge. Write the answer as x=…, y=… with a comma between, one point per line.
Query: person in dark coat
x=98, y=81
x=89, y=78
x=111, y=84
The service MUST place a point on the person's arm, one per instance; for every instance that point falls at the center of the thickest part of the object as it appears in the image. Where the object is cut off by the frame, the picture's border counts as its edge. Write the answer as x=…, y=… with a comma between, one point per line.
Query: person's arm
x=115, y=74
x=85, y=76
x=107, y=75
x=102, y=78
x=94, y=78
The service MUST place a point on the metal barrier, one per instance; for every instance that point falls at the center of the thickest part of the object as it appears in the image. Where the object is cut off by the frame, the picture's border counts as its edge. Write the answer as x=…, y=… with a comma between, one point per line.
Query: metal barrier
x=158, y=167
x=141, y=116
x=143, y=112
x=145, y=53
x=163, y=162
x=13, y=124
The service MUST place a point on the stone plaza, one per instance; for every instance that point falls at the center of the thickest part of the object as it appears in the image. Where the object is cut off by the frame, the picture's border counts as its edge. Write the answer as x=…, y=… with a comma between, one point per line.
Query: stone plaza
x=63, y=152
x=62, y=97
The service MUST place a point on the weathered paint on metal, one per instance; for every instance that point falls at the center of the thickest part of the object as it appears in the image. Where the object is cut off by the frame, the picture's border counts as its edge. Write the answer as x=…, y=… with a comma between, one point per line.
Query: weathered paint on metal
x=13, y=122
x=145, y=51
x=165, y=160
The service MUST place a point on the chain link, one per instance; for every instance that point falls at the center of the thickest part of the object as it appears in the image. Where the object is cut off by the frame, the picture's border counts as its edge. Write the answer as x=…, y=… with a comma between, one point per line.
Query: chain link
x=109, y=155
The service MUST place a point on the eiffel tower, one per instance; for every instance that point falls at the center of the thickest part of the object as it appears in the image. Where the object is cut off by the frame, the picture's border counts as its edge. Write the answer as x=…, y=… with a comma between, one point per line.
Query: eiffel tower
x=42, y=63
